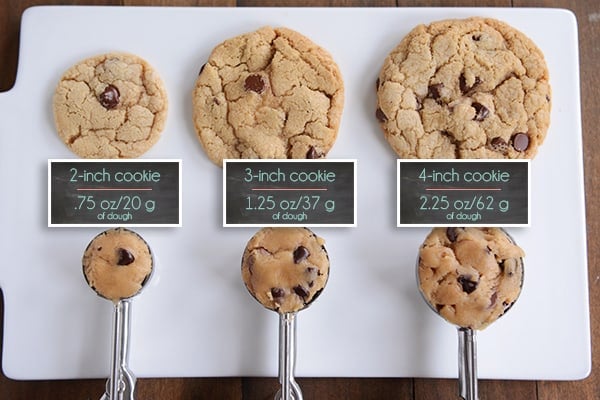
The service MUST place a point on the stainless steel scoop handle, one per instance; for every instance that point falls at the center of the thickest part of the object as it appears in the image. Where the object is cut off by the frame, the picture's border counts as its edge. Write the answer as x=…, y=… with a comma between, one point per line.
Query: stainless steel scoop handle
x=121, y=383
x=467, y=364
x=287, y=358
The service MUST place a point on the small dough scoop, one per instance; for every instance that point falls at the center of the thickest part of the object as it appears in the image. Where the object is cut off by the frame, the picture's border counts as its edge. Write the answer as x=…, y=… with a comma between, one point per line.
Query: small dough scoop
x=285, y=270
x=117, y=264
x=471, y=277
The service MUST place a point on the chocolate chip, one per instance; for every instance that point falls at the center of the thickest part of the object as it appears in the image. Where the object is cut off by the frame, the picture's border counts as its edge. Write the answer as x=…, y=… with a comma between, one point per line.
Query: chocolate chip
x=255, y=83
x=419, y=104
x=452, y=234
x=493, y=299
x=520, y=141
x=468, y=286
x=481, y=112
x=277, y=293
x=125, y=257
x=380, y=115
x=300, y=254
x=312, y=153
x=109, y=98
x=462, y=83
x=476, y=38
x=300, y=291
x=435, y=91
x=498, y=144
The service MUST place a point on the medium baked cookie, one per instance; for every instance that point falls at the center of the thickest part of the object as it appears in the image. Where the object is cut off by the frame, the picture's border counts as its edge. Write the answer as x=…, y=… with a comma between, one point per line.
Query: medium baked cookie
x=471, y=88
x=117, y=264
x=272, y=93
x=285, y=269
x=110, y=106
x=470, y=276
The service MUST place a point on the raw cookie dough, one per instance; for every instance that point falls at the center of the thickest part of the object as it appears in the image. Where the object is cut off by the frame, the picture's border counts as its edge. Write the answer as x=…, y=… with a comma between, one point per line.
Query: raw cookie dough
x=285, y=269
x=117, y=264
x=472, y=88
x=271, y=93
x=471, y=276
x=112, y=105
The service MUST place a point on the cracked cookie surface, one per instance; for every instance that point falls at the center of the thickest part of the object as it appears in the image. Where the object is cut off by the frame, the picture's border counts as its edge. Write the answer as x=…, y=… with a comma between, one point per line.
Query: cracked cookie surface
x=113, y=105
x=470, y=88
x=470, y=276
x=285, y=269
x=271, y=93
x=117, y=263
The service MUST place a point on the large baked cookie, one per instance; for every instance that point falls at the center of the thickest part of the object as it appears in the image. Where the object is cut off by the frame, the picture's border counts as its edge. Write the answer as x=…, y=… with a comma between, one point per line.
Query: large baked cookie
x=285, y=269
x=472, y=88
x=470, y=276
x=271, y=93
x=112, y=105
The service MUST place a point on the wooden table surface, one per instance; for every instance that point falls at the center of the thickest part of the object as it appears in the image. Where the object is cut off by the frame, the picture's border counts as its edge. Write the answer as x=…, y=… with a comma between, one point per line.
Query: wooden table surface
x=588, y=17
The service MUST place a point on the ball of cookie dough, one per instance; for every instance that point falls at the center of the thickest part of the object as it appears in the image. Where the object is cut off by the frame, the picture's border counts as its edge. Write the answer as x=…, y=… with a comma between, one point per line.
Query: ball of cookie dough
x=110, y=106
x=285, y=269
x=470, y=276
x=117, y=264
x=271, y=93
x=464, y=88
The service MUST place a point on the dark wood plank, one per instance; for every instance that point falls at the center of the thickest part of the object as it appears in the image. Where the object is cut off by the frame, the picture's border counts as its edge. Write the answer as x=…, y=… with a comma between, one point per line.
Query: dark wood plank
x=333, y=388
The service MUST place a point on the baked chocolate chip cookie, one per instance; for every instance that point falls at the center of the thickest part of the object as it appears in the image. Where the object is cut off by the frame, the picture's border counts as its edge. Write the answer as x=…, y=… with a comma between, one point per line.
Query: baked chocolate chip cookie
x=469, y=88
x=285, y=269
x=271, y=93
x=471, y=276
x=112, y=105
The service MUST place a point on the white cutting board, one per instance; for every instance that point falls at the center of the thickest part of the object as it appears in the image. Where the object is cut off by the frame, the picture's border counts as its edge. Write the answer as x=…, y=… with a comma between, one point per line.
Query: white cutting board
x=196, y=318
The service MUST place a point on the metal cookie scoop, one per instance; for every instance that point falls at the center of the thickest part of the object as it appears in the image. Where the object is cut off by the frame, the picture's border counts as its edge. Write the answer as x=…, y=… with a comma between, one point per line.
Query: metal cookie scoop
x=121, y=383
x=467, y=344
x=117, y=264
x=287, y=358
x=285, y=270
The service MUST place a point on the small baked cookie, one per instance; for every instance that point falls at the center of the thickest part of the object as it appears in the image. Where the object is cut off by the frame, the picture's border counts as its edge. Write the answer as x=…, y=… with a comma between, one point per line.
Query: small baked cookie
x=272, y=93
x=471, y=88
x=110, y=106
x=117, y=264
x=285, y=269
x=470, y=276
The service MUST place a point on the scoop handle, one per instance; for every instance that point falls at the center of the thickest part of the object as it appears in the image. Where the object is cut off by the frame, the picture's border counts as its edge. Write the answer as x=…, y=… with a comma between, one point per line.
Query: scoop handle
x=467, y=364
x=287, y=358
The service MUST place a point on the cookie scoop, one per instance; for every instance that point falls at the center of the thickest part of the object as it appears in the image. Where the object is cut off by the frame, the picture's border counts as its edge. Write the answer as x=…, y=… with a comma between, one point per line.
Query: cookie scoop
x=285, y=270
x=117, y=264
x=470, y=277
